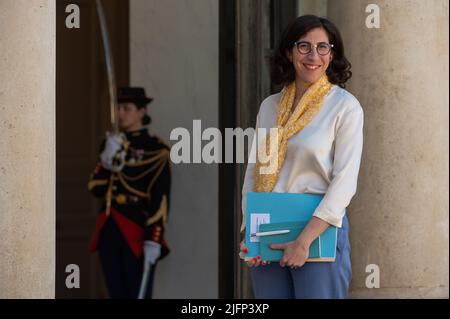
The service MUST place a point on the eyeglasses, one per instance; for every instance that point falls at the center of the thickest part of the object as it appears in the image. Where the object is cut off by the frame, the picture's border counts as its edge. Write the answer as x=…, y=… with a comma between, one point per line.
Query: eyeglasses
x=304, y=47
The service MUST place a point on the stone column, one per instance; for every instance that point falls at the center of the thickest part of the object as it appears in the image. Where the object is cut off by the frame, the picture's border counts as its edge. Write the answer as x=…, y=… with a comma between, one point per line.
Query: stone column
x=27, y=144
x=399, y=218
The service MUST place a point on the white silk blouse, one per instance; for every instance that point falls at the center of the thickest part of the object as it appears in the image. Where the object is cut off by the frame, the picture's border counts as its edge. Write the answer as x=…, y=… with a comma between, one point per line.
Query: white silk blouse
x=323, y=158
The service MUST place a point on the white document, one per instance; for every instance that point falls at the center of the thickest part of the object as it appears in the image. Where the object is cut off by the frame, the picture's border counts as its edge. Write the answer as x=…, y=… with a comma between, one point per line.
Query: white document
x=255, y=221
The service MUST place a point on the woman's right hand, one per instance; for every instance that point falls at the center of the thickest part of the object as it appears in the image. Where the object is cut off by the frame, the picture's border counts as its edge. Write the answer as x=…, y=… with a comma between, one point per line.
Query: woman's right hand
x=253, y=262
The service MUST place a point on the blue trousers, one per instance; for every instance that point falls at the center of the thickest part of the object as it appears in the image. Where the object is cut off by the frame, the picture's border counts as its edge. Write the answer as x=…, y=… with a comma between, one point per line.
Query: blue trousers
x=314, y=280
x=121, y=268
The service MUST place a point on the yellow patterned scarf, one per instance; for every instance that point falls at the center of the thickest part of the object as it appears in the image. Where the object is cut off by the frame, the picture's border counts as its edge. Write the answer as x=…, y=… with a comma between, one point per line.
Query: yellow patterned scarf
x=288, y=125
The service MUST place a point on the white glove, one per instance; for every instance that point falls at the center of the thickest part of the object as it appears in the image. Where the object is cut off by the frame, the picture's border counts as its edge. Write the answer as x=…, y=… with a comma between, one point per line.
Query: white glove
x=152, y=251
x=114, y=146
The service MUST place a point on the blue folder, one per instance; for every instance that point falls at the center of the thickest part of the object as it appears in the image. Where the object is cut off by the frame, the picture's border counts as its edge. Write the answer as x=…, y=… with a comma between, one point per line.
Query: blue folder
x=284, y=211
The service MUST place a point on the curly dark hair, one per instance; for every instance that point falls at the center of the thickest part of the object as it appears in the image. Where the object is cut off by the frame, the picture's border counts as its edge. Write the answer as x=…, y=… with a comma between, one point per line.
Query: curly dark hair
x=283, y=71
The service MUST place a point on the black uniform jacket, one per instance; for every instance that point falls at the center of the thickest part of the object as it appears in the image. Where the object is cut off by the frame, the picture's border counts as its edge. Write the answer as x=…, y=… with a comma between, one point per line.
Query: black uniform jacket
x=138, y=196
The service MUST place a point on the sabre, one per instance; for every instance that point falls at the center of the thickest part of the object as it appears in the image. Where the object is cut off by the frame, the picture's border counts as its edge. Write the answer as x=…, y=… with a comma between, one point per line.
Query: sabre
x=113, y=108
x=144, y=280
x=109, y=67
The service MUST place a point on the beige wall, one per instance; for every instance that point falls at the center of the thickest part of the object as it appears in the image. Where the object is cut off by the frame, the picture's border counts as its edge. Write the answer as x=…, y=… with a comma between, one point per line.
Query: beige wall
x=174, y=55
x=27, y=144
x=399, y=218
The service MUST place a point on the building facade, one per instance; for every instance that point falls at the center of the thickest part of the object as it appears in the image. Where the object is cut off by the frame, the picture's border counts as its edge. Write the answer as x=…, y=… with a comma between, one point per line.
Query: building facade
x=208, y=60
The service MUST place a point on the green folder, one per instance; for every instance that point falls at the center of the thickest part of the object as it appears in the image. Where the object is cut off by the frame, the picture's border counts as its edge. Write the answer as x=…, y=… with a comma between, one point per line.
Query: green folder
x=295, y=229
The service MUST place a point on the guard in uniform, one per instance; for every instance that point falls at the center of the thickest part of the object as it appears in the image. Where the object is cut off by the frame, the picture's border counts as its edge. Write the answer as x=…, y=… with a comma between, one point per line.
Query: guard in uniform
x=133, y=179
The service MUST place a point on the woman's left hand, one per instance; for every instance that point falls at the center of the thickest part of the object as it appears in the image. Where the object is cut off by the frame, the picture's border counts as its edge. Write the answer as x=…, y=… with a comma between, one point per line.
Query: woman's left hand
x=295, y=253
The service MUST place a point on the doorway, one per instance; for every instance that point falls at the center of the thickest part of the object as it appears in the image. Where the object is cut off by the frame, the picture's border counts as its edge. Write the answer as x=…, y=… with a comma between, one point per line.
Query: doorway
x=82, y=117
x=249, y=33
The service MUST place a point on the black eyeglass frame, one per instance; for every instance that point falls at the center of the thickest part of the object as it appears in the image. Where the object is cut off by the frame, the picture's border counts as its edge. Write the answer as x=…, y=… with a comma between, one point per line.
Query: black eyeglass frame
x=311, y=46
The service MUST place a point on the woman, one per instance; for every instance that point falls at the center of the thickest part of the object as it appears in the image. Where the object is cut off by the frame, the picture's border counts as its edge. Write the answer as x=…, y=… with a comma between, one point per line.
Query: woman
x=133, y=179
x=320, y=139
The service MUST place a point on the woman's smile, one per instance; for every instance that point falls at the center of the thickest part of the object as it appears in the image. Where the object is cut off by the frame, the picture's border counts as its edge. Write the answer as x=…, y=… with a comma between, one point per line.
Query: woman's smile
x=311, y=67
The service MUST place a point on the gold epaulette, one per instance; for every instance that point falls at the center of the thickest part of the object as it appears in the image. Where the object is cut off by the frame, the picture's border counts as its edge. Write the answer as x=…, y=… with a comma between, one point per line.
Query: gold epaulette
x=161, y=213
